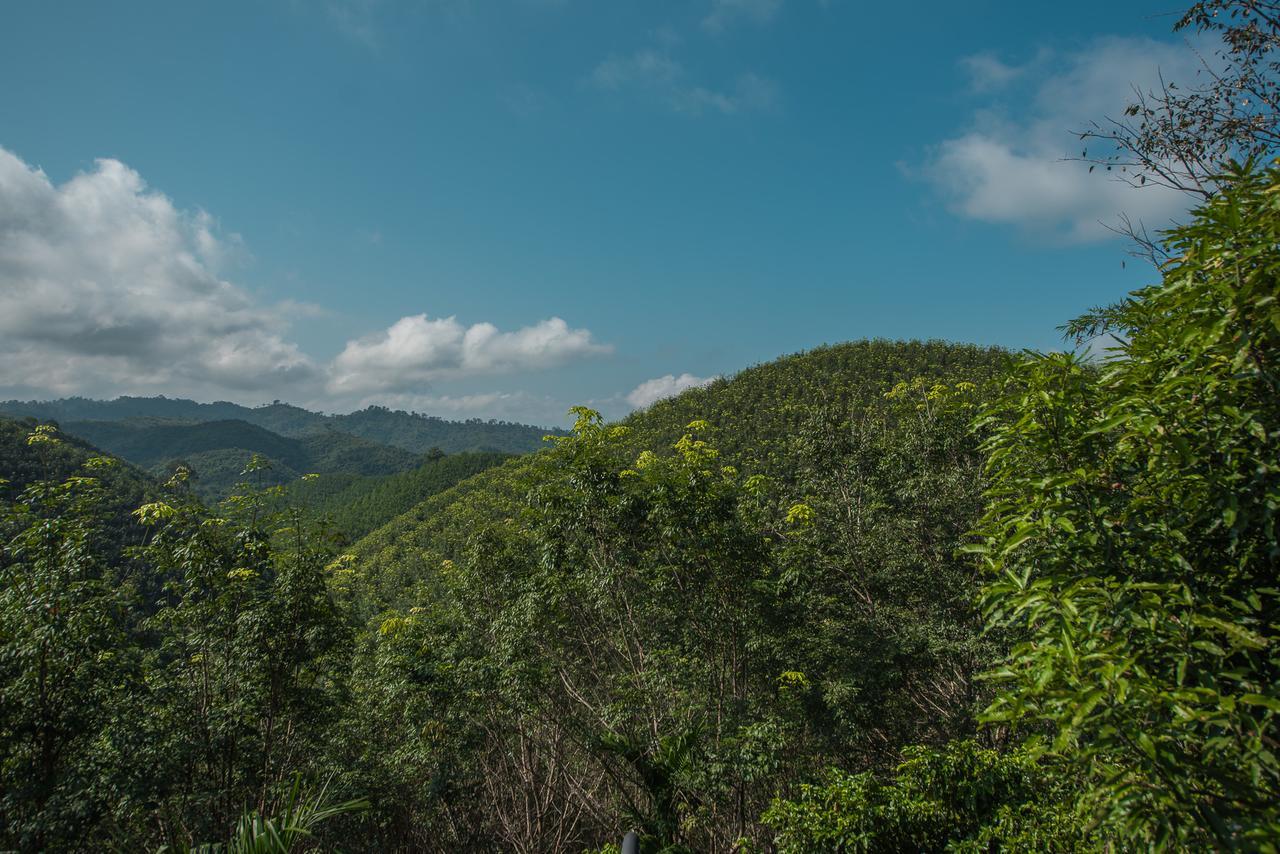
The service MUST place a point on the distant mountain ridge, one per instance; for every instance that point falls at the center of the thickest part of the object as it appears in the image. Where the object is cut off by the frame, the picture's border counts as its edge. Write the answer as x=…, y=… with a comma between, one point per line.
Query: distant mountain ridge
x=410, y=431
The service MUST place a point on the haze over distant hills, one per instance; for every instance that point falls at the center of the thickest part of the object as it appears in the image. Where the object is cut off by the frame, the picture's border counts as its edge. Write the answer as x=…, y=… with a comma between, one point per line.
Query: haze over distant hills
x=217, y=440
x=411, y=431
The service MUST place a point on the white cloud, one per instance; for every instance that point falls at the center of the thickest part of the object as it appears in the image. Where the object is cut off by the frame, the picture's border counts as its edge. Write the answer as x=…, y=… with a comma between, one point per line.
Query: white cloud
x=418, y=350
x=987, y=72
x=1018, y=171
x=726, y=12
x=658, y=74
x=651, y=391
x=107, y=288
x=106, y=285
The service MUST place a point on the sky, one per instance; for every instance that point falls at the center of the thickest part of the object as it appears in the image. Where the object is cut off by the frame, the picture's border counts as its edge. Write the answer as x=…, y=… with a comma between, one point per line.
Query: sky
x=503, y=208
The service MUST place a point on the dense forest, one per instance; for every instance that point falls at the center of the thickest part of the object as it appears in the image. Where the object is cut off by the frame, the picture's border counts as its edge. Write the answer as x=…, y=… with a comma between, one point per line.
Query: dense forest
x=876, y=596
x=410, y=431
x=214, y=442
x=932, y=596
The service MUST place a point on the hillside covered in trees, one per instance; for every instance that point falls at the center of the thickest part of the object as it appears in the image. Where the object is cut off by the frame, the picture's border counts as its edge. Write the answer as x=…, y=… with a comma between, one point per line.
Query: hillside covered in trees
x=217, y=452
x=356, y=504
x=931, y=596
x=877, y=596
x=216, y=441
x=409, y=431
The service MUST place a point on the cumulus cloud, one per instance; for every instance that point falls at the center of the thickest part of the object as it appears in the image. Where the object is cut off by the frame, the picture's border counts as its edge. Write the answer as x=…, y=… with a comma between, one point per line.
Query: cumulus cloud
x=726, y=12
x=659, y=75
x=106, y=285
x=107, y=288
x=1017, y=170
x=651, y=391
x=418, y=350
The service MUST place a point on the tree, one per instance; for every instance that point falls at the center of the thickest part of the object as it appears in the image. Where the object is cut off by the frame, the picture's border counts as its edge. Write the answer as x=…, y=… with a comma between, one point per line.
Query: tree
x=1181, y=134
x=961, y=798
x=1131, y=540
x=246, y=674
x=64, y=660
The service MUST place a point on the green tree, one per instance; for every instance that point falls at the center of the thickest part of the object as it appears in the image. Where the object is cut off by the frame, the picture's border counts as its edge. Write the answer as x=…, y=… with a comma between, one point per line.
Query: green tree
x=961, y=798
x=1181, y=134
x=1131, y=540
x=248, y=670
x=64, y=658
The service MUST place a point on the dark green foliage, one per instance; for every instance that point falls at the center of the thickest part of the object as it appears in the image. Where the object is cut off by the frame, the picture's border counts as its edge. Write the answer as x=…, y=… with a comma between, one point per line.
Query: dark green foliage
x=1131, y=540
x=881, y=623
x=669, y=638
x=409, y=431
x=961, y=798
x=22, y=464
x=679, y=623
x=753, y=418
x=420, y=433
x=122, y=487
x=290, y=826
x=64, y=654
x=218, y=451
x=247, y=675
x=755, y=414
x=397, y=562
x=149, y=693
x=354, y=505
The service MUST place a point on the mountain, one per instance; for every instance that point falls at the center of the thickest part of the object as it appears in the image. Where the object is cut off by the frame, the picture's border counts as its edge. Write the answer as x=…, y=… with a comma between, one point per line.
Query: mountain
x=410, y=431
x=706, y=602
x=754, y=419
x=217, y=451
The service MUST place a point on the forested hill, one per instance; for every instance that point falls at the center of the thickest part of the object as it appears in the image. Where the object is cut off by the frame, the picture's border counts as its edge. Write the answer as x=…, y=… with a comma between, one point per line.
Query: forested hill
x=411, y=431
x=24, y=461
x=217, y=452
x=718, y=597
x=768, y=419
x=356, y=504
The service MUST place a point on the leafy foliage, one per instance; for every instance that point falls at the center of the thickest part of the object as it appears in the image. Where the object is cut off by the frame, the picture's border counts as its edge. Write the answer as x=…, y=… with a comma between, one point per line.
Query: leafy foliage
x=63, y=653
x=132, y=717
x=354, y=505
x=753, y=419
x=962, y=797
x=218, y=451
x=665, y=636
x=757, y=616
x=410, y=431
x=289, y=829
x=1132, y=540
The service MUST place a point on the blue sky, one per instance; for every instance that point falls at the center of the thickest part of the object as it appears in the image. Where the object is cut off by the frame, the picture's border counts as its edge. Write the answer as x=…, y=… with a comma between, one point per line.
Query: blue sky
x=503, y=208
